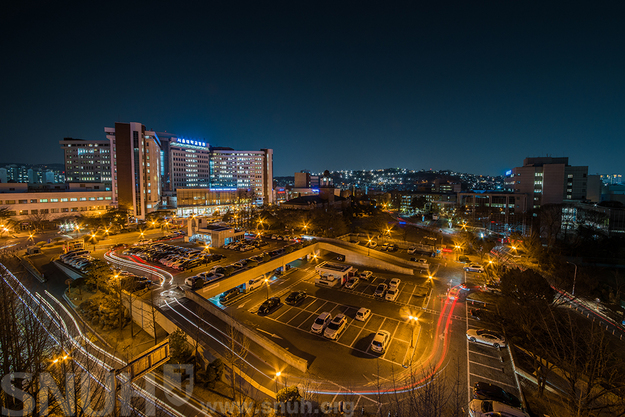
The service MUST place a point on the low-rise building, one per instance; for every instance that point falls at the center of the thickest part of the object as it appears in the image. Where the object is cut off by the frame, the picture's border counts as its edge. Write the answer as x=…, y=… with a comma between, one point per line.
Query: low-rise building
x=38, y=204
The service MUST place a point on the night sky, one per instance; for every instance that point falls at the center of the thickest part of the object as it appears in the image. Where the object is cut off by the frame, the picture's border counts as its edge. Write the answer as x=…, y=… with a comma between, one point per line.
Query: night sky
x=468, y=86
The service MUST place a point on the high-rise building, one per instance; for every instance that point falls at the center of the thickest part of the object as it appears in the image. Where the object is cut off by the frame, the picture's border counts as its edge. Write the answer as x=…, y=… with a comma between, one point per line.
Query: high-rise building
x=87, y=161
x=135, y=168
x=184, y=162
x=548, y=180
x=250, y=170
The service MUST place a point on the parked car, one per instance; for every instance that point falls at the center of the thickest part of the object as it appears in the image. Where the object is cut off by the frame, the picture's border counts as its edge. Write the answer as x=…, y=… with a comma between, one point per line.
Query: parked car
x=295, y=297
x=321, y=323
x=391, y=294
x=394, y=283
x=352, y=282
x=412, y=249
x=269, y=305
x=475, y=313
x=485, y=408
x=228, y=295
x=380, y=341
x=486, y=391
x=372, y=244
x=363, y=314
x=366, y=275
x=487, y=337
x=384, y=247
x=336, y=327
x=380, y=291
x=474, y=268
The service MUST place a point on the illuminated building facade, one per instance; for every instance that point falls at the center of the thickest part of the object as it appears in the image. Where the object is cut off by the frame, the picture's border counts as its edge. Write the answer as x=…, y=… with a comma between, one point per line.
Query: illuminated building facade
x=184, y=162
x=87, y=161
x=548, y=180
x=249, y=170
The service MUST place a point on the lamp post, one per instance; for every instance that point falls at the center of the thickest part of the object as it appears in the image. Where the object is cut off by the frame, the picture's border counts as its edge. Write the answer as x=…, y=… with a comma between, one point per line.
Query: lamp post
x=277, y=376
x=574, y=277
x=267, y=285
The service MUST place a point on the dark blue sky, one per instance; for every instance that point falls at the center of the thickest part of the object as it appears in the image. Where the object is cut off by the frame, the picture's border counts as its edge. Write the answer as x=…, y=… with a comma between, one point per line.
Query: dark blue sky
x=468, y=86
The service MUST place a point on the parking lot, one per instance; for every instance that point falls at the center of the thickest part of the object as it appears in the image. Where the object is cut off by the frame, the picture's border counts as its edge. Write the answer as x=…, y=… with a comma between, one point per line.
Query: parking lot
x=486, y=363
x=357, y=335
x=410, y=294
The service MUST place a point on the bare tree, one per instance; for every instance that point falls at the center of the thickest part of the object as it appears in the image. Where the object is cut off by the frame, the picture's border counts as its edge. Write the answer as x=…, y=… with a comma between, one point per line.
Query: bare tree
x=238, y=347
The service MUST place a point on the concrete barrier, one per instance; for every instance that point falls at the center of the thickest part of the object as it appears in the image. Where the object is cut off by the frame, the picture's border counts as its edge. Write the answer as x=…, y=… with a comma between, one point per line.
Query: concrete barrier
x=371, y=259
x=268, y=345
x=28, y=264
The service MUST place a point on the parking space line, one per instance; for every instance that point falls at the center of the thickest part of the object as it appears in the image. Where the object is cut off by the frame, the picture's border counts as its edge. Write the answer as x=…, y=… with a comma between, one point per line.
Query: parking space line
x=487, y=366
x=390, y=341
x=341, y=344
x=491, y=380
x=484, y=354
x=363, y=328
x=322, y=305
x=292, y=318
x=285, y=311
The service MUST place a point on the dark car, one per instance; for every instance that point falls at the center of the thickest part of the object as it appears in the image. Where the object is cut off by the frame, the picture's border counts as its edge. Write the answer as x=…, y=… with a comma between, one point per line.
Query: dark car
x=475, y=313
x=270, y=305
x=380, y=291
x=228, y=295
x=486, y=391
x=295, y=297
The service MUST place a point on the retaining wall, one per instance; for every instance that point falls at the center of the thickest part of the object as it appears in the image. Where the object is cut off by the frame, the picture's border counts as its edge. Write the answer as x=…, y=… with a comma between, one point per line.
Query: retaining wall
x=262, y=341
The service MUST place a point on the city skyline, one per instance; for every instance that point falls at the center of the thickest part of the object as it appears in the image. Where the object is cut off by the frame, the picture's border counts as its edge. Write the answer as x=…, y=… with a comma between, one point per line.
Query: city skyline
x=467, y=88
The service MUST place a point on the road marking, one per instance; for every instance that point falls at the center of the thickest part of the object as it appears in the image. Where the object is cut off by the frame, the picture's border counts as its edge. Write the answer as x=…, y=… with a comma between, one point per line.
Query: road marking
x=487, y=366
x=489, y=379
x=268, y=333
x=483, y=354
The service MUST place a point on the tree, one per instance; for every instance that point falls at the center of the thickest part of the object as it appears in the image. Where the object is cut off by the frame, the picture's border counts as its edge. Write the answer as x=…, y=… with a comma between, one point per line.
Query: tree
x=179, y=348
x=238, y=348
x=526, y=287
x=550, y=217
x=97, y=274
x=418, y=203
x=289, y=399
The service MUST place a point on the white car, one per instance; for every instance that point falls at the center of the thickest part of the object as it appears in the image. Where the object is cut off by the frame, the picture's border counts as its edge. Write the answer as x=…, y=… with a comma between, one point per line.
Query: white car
x=336, y=327
x=422, y=263
x=321, y=323
x=366, y=275
x=380, y=341
x=394, y=284
x=474, y=268
x=412, y=249
x=352, y=282
x=485, y=408
x=487, y=337
x=363, y=314
x=391, y=294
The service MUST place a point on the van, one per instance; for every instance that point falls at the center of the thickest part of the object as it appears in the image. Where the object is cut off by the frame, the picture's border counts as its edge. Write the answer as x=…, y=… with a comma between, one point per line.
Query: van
x=254, y=283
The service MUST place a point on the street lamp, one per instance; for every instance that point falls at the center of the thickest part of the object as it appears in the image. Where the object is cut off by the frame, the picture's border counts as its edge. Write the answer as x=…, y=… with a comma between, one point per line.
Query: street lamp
x=278, y=373
x=267, y=285
x=574, y=277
